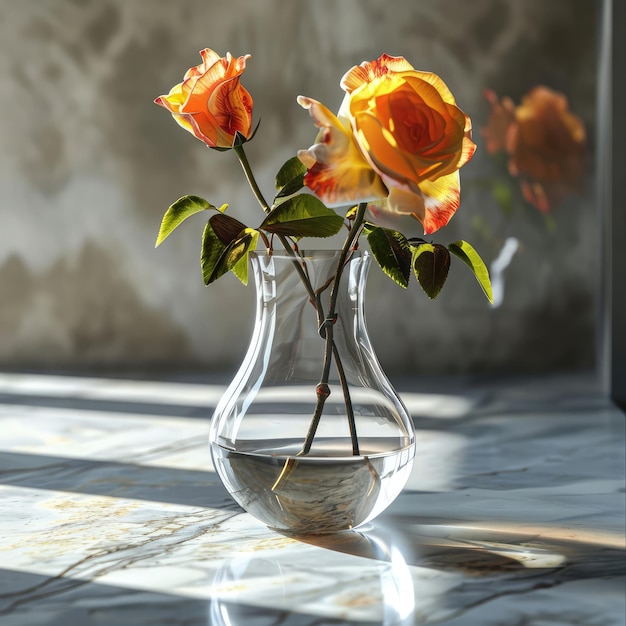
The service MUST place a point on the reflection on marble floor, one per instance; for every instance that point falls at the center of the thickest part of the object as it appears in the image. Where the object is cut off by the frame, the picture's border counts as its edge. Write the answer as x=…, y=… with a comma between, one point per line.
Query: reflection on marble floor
x=111, y=514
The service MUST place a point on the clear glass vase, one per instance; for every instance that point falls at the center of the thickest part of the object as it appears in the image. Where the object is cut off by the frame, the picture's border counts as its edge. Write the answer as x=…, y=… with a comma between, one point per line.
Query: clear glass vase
x=299, y=462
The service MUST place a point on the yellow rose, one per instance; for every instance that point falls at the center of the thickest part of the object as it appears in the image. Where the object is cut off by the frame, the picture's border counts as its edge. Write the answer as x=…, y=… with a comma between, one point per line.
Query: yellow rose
x=210, y=102
x=398, y=137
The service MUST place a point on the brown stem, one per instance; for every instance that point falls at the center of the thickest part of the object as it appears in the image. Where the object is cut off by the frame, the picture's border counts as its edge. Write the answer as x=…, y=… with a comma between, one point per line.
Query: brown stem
x=245, y=164
x=322, y=389
x=347, y=400
x=325, y=325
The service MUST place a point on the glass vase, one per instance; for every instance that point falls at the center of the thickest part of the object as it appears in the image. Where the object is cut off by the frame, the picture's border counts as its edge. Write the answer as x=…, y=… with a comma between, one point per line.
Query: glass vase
x=310, y=437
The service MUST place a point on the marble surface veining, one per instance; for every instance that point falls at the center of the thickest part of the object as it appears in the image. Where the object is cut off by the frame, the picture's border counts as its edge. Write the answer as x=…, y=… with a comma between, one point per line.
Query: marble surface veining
x=112, y=515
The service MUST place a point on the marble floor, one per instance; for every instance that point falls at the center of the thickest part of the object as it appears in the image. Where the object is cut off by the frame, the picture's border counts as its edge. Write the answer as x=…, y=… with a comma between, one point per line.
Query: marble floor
x=112, y=514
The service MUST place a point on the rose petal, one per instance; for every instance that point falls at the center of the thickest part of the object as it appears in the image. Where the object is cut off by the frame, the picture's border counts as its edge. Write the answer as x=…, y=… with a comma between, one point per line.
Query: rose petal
x=442, y=198
x=233, y=107
x=369, y=71
x=433, y=207
x=337, y=171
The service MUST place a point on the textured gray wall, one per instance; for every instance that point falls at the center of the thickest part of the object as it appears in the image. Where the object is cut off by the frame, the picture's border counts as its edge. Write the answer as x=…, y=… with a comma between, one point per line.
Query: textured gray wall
x=88, y=164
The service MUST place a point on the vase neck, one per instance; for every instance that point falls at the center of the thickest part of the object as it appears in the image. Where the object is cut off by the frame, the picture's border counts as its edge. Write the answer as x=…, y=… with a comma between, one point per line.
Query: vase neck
x=288, y=334
x=288, y=281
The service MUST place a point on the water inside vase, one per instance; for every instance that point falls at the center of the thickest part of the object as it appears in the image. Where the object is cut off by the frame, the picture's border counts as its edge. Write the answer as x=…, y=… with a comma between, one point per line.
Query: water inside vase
x=327, y=490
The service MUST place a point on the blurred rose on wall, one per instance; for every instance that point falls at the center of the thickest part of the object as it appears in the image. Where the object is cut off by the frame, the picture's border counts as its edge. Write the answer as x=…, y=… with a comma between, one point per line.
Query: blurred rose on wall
x=544, y=142
x=540, y=146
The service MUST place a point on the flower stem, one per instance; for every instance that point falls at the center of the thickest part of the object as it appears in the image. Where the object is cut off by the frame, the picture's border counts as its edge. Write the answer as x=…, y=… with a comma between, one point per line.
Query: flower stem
x=289, y=248
x=247, y=170
x=326, y=325
x=322, y=388
x=347, y=400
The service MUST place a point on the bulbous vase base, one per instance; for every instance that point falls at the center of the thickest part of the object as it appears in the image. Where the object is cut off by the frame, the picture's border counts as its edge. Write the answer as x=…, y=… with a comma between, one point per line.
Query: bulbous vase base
x=325, y=491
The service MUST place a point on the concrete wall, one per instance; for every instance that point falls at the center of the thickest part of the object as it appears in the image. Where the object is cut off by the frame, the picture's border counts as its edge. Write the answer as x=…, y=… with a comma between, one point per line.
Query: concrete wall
x=88, y=165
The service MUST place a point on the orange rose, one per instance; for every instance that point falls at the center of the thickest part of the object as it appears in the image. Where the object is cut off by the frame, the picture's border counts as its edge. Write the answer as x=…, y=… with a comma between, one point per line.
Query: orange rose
x=210, y=102
x=545, y=143
x=398, y=137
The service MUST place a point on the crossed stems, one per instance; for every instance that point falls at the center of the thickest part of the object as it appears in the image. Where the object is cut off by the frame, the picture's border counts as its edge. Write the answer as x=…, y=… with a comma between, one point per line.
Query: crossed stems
x=326, y=322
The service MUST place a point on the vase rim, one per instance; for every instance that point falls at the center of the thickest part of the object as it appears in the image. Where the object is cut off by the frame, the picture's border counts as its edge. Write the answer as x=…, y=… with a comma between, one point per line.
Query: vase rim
x=308, y=253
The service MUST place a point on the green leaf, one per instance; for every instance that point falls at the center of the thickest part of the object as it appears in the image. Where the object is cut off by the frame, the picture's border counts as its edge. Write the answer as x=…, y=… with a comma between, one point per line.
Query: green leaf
x=293, y=186
x=303, y=216
x=290, y=170
x=431, y=263
x=392, y=252
x=468, y=255
x=351, y=213
x=179, y=211
x=226, y=243
x=239, y=251
x=227, y=228
x=290, y=178
x=212, y=258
